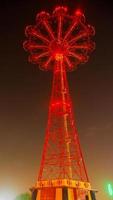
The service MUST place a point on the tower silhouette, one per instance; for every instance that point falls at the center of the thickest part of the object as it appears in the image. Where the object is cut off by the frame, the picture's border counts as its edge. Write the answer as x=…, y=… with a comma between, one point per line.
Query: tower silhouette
x=60, y=42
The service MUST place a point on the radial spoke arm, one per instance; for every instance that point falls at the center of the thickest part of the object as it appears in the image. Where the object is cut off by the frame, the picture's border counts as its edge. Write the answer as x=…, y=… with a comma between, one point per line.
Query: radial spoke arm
x=78, y=37
x=47, y=62
x=32, y=46
x=68, y=62
x=49, y=29
x=36, y=57
x=69, y=31
x=84, y=46
x=59, y=28
x=77, y=56
x=35, y=46
x=40, y=36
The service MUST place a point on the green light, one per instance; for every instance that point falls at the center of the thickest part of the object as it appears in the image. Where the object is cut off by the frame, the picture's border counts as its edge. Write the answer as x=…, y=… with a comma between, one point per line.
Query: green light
x=110, y=189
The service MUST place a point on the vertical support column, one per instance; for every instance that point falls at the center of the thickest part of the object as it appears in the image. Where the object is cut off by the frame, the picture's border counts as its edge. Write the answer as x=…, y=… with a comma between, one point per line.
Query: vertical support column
x=58, y=195
x=89, y=195
x=38, y=195
x=70, y=194
x=63, y=91
x=75, y=193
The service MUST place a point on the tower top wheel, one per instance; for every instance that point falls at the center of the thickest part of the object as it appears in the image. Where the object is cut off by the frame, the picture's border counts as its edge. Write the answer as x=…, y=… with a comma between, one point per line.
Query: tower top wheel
x=59, y=36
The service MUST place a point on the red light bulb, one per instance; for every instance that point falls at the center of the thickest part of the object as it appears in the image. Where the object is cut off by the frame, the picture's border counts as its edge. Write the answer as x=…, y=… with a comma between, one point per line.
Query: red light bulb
x=78, y=12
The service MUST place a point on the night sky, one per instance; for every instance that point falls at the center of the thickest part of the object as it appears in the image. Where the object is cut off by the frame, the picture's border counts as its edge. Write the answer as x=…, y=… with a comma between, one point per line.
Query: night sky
x=25, y=93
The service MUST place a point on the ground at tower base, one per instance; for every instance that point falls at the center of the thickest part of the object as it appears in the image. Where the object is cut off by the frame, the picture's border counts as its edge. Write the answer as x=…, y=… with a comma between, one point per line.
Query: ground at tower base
x=63, y=190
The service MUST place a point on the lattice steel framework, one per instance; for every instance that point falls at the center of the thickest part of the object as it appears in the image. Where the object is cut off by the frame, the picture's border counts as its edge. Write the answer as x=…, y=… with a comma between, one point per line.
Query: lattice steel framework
x=60, y=42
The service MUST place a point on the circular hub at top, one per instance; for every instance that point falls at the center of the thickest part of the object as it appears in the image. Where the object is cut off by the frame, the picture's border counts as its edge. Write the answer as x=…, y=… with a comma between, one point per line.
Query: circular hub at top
x=58, y=49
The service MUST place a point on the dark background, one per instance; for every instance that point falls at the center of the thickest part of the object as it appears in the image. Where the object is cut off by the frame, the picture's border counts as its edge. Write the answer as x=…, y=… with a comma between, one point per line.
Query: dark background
x=25, y=93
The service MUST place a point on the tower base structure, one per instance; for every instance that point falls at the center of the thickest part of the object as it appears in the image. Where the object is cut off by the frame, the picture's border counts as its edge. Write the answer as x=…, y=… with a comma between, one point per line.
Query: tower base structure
x=62, y=189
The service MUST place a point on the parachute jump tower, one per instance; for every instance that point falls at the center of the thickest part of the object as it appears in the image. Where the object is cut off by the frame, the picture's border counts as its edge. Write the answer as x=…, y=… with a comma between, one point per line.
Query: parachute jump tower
x=61, y=42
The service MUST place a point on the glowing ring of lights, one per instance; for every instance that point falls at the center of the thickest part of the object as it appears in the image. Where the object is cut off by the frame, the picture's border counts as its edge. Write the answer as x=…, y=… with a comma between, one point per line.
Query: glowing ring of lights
x=59, y=36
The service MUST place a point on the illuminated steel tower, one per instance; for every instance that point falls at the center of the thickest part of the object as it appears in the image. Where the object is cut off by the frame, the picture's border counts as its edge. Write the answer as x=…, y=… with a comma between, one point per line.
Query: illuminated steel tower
x=60, y=42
